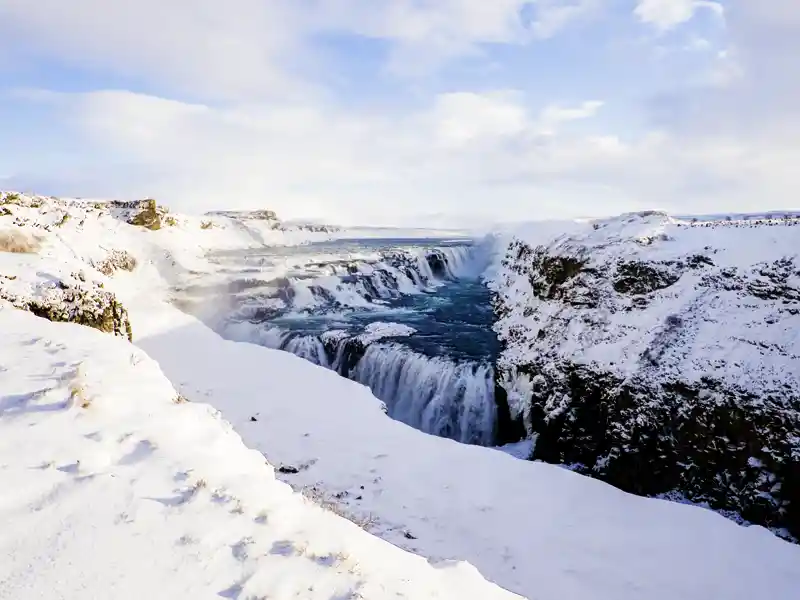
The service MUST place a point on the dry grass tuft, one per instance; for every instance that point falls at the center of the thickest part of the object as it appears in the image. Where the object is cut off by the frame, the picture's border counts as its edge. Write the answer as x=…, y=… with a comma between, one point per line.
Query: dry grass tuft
x=16, y=241
x=318, y=497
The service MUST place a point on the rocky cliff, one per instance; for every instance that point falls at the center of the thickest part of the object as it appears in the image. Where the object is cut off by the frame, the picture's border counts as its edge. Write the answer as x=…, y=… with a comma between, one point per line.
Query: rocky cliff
x=662, y=356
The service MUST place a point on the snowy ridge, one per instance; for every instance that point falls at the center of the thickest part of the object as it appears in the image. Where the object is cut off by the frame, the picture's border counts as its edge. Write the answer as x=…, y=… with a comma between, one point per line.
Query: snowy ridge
x=645, y=322
x=122, y=489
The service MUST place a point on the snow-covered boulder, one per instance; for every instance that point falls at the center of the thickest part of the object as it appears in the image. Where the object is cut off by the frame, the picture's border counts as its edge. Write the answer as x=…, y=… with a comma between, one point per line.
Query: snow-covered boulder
x=662, y=357
x=68, y=298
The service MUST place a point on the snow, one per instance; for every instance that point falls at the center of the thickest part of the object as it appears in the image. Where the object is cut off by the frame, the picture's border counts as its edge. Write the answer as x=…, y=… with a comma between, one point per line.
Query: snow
x=111, y=488
x=380, y=330
x=531, y=527
x=113, y=493
x=699, y=326
x=522, y=449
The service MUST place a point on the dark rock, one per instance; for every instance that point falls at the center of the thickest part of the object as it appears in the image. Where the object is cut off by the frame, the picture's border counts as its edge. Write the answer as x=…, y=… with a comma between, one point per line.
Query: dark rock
x=637, y=278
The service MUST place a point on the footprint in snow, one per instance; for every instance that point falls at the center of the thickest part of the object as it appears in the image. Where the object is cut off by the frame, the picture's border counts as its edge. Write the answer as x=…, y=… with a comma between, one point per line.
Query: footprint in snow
x=142, y=450
x=72, y=468
x=239, y=549
x=284, y=548
x=232, y=592
x=183, y=475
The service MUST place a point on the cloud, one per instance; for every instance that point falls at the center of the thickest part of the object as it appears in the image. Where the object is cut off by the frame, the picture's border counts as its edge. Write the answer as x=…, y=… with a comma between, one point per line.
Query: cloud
x=666, y=14
x=552, y=16
x=304, y=159
x=462, y=117
x=479, y=156
x=753, y=87
x=191, y=46
x=199, y=47
x=554, y=115
x=234, y=106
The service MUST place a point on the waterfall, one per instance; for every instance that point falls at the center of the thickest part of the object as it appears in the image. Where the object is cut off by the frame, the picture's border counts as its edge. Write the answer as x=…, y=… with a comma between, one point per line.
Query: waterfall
x=309, y=347
x=439, y=395
x=435, y=395
x=337, y=285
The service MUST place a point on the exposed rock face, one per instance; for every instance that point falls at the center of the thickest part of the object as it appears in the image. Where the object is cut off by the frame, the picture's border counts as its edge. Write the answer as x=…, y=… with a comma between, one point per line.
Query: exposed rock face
x=72, y=300
x=661, y=359
x=149, y=214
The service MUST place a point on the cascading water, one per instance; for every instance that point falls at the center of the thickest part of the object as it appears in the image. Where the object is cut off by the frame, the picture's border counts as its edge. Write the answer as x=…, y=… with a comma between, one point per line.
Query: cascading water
x=409, y=319
x=438, y=396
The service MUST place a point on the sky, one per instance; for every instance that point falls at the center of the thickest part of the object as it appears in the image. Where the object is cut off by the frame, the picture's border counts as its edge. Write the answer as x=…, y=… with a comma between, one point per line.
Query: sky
x=424, y=112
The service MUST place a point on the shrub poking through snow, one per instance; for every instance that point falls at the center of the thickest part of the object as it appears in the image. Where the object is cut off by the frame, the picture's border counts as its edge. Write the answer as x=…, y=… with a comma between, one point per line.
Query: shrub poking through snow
x=10, y=198
x=206, y=225
x=319, y=498
x=115, y=261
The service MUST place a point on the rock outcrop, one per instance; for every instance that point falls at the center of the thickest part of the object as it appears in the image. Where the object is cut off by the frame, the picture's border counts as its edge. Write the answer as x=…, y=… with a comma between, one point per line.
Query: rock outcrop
x=145, y=213
x=662, y=358
x=70, y=299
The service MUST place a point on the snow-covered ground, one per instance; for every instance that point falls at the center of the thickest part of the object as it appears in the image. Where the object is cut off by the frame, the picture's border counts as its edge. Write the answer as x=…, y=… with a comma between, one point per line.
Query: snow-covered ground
x=715, y=319
x=114, y=487
x=134, y=494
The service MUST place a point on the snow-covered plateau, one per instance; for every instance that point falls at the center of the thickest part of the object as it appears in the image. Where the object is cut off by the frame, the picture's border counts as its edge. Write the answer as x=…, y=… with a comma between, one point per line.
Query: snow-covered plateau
x=158, y=467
